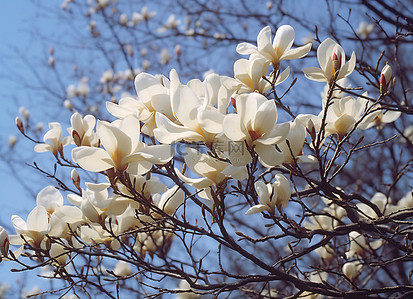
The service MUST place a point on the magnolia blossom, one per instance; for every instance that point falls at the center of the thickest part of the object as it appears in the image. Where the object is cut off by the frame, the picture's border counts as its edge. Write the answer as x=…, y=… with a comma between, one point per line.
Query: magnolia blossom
x=352, y=269
x=279, y=49
x=193, y=105
x=212, y=172
x=122, y=269
x=82, y=130
x=332, y=60
x=4, y=242
x=55, y=144
x=122, y=146
x=153, y=96
x=293, y=151
x=255, y=123
x=150, y=243
x=358, y=245
x=272, y=195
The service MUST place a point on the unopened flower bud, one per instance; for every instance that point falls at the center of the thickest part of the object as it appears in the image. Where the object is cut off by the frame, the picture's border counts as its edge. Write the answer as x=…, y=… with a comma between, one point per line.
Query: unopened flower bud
x=75, y=178
x=178, y=51
x=4, y=242
x=123, y=19
x=269, y=5
x=12, y=140
x=51, y=61
x=336, y=61
x=311, y=129
x=24, y=112
x=51, y=51
x=68, y=104
x=39, y=126
x=19, y=124
x=385, y=78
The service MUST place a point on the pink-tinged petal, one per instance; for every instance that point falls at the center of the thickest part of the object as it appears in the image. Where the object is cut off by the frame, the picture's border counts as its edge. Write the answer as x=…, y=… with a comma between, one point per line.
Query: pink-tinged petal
x=315, y=73
x=37, y=220
x=233, y=127
x=168, y=132
x=297, y=52
x=268, y=155
x=264, y=44
x=265, y=118
x=283, y=40
x=257, y=209
x=92, y=158
x=323, y=54
x=50, y=198
x=211, y=120
x=185, y=105
x=43, y=147
x=246, y=49
x=262, y=191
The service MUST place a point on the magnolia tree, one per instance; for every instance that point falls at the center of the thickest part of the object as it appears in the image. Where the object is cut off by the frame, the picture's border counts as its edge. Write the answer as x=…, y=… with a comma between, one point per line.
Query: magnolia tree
x=218, y=187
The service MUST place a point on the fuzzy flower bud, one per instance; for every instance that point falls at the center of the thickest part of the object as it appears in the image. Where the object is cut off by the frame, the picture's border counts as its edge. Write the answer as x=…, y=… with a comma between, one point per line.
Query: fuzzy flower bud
x=75, y=178
x=385, y=78
x=19, y=124
x=68, y=104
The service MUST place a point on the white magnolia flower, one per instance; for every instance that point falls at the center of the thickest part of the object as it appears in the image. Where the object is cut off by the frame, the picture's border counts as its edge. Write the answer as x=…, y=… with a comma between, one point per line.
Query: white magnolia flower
x=212, y=172
x=153, y=96
x=352, y=269
x=296, y=138
x=272, y=195
x=4, y=242
x=122, y=269
x=193, y=105
x=279, y=49
x=255, y=123
x=332, y=59
x=122, y=146
x=250, y=72
x=55, y=144
x=365, y=29
x=82, y=130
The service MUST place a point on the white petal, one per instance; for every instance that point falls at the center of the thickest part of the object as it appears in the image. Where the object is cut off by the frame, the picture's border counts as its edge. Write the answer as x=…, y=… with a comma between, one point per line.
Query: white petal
x=246, y=48
x=92, y=158
x=315, y=73
x=50, y=198
x=233, y=127
x=168, y=132
x=297, y=52
x=284, y=39
x=211, y=120
x=256, y=209
x=265, y=117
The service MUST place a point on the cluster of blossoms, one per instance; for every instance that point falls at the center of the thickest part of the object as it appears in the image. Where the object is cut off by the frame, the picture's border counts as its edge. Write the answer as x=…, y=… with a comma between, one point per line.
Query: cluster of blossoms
x=232, y=124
